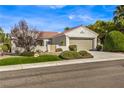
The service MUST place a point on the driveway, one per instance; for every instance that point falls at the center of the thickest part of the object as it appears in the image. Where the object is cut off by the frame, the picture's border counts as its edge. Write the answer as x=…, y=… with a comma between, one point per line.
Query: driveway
x=107, y=55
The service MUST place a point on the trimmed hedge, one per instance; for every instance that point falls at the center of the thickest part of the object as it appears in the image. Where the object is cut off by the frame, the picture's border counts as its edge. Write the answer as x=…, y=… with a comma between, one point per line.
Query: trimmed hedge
x=73, y=47
x=59, y=50
x=27, y=54
x=70, y=55
x=26, y=60
x=114, y=41
x=99, y=47
x=75, y=55
x=85, y=54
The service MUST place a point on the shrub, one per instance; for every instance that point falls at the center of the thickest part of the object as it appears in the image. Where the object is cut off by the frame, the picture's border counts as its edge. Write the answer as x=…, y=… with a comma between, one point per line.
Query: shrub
x=114, y=41
x=99, y=47
x=59, y=50
x=70, y=55
x=85, y=54
x=82, y=53
x=73, y=47
x=0, y=48
x=27, y=54
x=17, y=52
x=5, y=48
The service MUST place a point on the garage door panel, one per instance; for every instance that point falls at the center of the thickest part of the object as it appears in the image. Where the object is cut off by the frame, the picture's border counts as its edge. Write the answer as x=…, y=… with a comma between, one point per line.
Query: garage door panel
x=82, y=44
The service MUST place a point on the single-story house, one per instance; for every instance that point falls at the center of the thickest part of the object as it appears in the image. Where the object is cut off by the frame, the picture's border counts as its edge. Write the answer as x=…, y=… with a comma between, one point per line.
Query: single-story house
x=84, y=38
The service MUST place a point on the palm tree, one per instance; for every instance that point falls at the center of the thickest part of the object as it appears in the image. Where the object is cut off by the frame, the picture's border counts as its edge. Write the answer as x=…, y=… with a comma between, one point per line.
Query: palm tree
x=119, y=17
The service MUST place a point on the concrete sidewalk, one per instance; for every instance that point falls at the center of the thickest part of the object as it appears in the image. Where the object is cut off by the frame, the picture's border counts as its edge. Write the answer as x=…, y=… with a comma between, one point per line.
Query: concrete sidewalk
x=98, y=57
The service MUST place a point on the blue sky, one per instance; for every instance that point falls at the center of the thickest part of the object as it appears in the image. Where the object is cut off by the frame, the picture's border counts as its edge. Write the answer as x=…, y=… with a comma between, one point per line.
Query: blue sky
x=54, y=18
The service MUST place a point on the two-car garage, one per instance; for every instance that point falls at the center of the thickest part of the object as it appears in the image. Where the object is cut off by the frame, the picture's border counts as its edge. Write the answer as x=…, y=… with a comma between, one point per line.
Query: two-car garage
x=82, y=43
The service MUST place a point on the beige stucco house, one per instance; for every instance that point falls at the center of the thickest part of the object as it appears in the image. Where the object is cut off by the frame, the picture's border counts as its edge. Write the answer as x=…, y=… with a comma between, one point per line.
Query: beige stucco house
x=84, y=38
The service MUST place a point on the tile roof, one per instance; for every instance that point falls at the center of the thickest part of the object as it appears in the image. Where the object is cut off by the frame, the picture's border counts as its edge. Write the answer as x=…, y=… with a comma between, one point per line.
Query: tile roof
x=56, y=34
x=47, y=34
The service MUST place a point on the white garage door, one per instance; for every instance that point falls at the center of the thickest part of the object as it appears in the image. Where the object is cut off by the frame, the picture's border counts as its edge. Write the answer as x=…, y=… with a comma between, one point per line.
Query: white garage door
x=82, y=44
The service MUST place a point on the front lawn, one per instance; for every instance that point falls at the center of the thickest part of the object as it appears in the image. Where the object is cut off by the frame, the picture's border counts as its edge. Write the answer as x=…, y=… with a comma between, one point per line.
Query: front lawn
x=26, y=60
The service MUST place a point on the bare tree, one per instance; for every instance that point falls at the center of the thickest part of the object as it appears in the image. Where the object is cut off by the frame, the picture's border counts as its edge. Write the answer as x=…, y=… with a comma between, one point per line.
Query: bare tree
x=24, y=36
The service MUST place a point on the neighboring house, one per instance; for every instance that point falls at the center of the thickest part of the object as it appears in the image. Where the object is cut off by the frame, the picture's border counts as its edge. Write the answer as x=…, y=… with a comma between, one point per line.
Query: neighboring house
x=84, y=38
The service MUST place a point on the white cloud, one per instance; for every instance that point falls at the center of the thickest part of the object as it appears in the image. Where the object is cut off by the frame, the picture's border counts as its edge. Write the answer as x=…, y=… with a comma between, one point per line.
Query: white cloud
x=85, y=17
x=52, y=6
x=71, y=17
x=81, y=17
x=56, y=6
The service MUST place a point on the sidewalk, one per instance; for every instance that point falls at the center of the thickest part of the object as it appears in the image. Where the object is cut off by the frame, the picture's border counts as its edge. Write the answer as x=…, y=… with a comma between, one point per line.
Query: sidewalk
x=98, y=57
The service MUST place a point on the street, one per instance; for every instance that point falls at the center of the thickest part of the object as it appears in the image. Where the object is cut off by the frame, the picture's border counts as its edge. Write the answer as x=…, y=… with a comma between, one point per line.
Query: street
x=84, y=75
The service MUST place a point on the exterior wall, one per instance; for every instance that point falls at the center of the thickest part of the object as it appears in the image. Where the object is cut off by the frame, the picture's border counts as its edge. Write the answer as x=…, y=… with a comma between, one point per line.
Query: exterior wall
x=40, y=48
x=62, y=47
x=43, y=48
x=67, y=42
x=81, y=32
x=51, y=48
x=59, y=40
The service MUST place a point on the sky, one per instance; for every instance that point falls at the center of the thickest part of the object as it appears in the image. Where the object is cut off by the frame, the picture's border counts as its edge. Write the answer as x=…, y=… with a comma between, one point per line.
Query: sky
x=54, y=17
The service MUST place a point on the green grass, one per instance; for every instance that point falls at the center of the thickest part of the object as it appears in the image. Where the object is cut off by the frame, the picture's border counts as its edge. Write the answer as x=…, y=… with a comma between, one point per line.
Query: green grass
x=26, y=60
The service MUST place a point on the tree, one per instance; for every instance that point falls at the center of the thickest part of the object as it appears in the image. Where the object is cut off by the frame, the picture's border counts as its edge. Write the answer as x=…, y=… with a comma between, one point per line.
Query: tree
x=114, y=41
x=24, y=36
x=5, y=40
x=119, y=17
x=66, y=28
x=102, y=27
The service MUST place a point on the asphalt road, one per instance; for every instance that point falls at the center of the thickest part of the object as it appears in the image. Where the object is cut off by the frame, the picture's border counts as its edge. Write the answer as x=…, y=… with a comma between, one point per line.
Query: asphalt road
x=88, y=75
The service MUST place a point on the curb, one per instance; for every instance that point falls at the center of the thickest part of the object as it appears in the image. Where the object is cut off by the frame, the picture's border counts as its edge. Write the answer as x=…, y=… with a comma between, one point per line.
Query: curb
x=54, y=63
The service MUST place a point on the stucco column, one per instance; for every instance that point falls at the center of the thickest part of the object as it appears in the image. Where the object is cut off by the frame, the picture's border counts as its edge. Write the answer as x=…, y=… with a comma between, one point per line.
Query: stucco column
x=13, y=47
x=67, y=42
x=95, y=43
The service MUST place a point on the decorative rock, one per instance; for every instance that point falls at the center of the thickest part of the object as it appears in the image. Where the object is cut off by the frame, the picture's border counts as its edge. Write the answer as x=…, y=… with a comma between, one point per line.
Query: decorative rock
x=36, y=55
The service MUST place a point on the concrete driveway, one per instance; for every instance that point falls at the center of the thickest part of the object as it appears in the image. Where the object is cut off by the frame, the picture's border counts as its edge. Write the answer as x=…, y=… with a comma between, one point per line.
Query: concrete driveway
x=107, y=55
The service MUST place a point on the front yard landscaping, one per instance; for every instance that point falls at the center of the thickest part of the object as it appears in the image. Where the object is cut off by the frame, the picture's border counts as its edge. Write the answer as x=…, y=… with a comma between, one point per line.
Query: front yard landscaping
x=26, y=59
x=75, y=55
